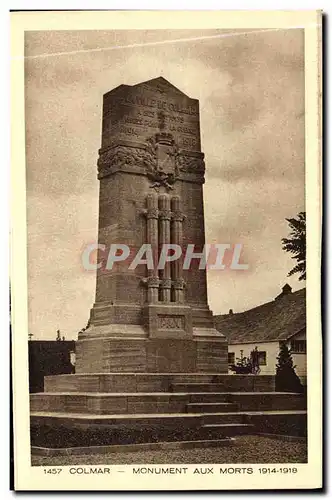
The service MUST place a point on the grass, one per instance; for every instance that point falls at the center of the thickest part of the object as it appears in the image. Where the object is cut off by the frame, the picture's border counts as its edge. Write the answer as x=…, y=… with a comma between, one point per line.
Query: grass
x=246, y=450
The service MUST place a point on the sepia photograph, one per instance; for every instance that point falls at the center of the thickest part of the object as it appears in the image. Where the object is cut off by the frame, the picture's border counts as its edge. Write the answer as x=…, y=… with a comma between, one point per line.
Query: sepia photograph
x=166, y=206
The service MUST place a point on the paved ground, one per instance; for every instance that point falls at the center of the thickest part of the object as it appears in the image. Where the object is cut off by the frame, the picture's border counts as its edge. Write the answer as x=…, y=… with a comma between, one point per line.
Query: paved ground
x=247, y=449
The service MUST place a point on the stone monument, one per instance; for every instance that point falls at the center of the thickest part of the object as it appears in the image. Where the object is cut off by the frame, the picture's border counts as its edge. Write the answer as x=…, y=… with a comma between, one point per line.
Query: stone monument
x=151, y=173
x=151, y=367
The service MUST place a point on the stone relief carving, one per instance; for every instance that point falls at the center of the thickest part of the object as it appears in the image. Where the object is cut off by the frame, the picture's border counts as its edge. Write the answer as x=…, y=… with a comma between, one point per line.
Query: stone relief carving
x=178, y=216
x=120, y=156
x=178, y=284
x=151, y=282
x=160, y=161
x=171, y=322
x=150, y=154
x=165, y=283
x=190, y=164
x=160, y=158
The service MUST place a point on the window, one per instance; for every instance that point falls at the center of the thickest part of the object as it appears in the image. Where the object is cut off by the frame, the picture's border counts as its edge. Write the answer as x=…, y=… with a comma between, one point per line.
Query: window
x=262, y=358
x=298, y=346
x=231, y=358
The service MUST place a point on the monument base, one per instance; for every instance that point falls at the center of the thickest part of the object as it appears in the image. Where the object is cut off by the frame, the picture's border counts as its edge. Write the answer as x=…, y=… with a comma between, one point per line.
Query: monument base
x=112, y=409
x=152, y=355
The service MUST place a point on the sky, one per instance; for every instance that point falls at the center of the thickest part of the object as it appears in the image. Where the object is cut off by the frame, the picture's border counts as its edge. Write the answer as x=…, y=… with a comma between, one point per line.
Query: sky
x=251, y=90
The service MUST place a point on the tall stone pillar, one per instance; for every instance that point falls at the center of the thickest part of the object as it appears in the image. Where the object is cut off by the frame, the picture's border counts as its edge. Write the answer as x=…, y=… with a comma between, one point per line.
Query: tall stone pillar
x=177, y=237
x=151, y=172
x=165, y=238
x=152, y=239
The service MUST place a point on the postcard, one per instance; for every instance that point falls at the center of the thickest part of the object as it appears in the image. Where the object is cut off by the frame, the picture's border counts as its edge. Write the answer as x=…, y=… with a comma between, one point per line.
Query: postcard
x=165, y=236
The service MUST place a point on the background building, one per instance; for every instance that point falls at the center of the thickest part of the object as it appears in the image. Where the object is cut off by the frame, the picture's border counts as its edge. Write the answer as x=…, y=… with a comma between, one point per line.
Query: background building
x=49, y=357
x=266, y=326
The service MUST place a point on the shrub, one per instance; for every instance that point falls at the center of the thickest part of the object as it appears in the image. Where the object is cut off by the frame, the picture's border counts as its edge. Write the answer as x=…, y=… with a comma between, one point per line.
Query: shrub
x=286, y=377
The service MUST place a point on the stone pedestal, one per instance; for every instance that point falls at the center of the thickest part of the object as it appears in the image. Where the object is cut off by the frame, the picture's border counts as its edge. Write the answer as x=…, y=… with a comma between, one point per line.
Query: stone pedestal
x=157, y=355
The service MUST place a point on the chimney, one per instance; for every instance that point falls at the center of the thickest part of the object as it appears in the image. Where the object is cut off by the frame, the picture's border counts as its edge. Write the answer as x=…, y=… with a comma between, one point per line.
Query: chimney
x=286, y=289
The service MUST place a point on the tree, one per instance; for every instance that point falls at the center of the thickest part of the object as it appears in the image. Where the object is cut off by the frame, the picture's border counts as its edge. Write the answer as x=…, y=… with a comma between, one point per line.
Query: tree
x=242, y=366
x=296, y=244
x=248, y=364
x=286, y=377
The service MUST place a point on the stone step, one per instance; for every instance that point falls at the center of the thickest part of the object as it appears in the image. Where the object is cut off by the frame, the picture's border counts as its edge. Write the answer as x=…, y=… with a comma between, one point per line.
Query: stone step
x=211, y=407
x=260, y=401
x=285, y=422
x=156, y=382
x=114, y=420
x=64, y=429
x=254, y=401
x=106, y=450
x=163, y=402
x=140, y=419
x=108, y=403
x=223, y=418
x=171, y=419
x=198, y=387
x=220, y=430
x=223, y=385
x=208, y=397
x=246, y=383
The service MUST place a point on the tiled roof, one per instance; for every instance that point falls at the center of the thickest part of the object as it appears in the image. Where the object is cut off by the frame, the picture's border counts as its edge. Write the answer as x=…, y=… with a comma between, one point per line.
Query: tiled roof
x=274, y=321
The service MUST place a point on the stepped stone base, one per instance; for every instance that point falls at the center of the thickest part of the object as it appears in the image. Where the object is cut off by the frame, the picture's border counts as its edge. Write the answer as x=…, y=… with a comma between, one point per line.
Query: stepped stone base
x=102, y=409
x=154, y=403
x=159, y=382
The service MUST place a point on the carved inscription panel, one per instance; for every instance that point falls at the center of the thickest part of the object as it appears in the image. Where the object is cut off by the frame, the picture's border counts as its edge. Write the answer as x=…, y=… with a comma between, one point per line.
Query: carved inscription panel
x=171, y=322
x=138, y=113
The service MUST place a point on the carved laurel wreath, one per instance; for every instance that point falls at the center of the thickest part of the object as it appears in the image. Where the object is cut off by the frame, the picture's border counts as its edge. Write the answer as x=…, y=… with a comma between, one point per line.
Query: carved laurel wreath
x=147, y=158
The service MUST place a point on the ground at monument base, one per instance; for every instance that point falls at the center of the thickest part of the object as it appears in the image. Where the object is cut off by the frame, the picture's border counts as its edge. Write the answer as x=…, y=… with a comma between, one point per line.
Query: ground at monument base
x=246, y=450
